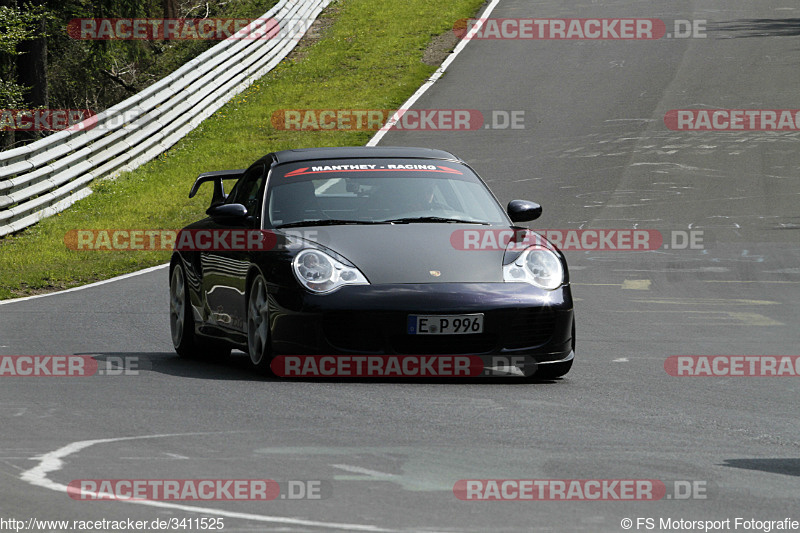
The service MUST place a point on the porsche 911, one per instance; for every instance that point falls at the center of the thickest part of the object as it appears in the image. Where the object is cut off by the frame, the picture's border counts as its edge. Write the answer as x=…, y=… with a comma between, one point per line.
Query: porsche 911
x=369, y=251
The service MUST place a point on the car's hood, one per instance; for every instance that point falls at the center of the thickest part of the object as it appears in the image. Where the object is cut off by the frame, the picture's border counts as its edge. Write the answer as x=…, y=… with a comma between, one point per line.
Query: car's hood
x=411, y=253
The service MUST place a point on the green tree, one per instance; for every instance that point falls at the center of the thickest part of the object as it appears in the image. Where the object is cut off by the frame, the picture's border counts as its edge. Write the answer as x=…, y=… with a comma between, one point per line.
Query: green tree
x=18, y=24
x=21, y=25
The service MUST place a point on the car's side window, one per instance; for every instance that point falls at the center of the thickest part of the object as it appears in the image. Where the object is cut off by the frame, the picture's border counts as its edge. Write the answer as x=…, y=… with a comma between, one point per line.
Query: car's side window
x=246, y=191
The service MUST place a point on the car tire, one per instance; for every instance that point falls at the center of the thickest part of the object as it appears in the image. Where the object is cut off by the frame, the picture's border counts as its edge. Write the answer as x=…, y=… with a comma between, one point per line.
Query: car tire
x=259, y=343
x=181, y=323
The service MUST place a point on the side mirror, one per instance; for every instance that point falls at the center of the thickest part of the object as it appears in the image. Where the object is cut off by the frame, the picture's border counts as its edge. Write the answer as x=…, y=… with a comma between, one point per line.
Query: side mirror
x=227, y=212
x=523, y=210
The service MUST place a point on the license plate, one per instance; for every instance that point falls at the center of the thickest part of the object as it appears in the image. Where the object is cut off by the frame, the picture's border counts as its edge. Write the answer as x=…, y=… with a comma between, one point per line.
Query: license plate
x=445, y=324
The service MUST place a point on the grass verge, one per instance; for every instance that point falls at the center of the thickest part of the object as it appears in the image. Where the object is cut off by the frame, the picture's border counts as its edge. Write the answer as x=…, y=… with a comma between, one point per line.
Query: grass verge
x=370, y=57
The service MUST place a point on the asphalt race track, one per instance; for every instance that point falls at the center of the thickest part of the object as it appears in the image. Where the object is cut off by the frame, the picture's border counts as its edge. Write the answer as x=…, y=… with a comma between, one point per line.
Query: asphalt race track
x=596, y=153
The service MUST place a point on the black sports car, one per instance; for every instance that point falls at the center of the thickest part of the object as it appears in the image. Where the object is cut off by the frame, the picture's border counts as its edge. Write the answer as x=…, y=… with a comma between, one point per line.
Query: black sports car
x=385, y=251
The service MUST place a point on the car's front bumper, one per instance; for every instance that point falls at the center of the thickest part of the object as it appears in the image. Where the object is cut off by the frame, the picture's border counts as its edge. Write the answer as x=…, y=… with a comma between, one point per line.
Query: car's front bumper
x=519, y=320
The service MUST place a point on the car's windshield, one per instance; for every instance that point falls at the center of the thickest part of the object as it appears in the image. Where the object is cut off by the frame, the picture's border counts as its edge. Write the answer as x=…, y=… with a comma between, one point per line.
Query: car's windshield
x=328, y=193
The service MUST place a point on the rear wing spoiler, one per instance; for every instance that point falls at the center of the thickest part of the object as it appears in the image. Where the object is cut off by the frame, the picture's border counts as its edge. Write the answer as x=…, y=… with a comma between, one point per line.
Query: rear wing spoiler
x=217, y=176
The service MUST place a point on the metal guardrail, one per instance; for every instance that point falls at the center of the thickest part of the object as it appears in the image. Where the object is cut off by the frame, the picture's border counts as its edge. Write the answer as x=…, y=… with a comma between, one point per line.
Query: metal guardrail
x=47, y=176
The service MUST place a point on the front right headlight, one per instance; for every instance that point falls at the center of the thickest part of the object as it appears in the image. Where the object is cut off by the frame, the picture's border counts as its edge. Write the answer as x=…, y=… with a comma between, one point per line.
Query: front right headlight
x=320, y=273
x=537, y=266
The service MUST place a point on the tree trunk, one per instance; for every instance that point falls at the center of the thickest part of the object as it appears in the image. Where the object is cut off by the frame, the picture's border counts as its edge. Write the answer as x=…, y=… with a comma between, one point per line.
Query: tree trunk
x=32, y=73
x=170, y=8
x=32, y=68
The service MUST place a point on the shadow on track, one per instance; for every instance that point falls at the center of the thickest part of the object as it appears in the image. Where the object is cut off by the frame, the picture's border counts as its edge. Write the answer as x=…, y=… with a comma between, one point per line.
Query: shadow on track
x=756, y=28
x=787, y=467
x=236, y=367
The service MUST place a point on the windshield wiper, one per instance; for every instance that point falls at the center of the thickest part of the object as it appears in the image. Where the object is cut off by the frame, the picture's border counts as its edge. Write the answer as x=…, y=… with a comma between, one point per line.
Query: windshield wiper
x=442, y=220
x=326, y=222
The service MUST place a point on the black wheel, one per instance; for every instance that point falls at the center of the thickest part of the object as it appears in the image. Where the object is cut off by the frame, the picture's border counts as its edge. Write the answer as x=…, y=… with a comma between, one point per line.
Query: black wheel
x=259, y=344
x=181, y=323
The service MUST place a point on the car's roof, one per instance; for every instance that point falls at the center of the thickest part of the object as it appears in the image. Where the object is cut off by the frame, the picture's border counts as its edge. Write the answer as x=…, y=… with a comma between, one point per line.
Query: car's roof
x=359, y=152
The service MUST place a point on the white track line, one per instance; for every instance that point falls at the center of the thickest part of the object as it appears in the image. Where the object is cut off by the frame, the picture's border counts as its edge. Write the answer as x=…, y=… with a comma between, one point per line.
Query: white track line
x=435, y=76
x=54, y=461
x=82, y=287
x=361, y=470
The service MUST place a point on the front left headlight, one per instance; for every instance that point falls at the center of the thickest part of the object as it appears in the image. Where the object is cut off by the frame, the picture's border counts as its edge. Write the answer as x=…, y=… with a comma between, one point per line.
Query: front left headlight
x=321, y=273
x=538, y=266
